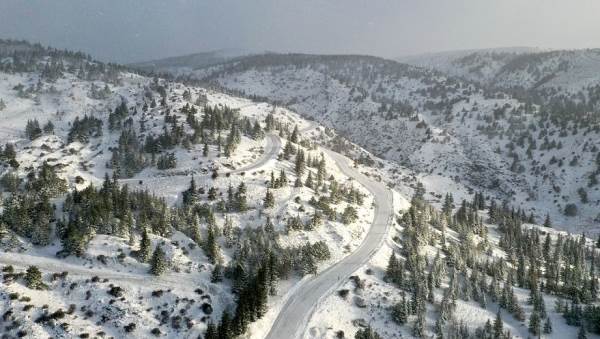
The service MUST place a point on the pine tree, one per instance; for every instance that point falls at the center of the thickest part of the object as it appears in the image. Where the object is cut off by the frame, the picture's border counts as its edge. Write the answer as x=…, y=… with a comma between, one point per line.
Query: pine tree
x=419, y=325
x=158, y=263
x=282, y=179
x=547, y=222
x=448, y=204
x=211, y=248
x=33, y=278
x=548, y=326
x=295, y=135
x=240, y=198
x=367, y=333
x=400, y=311
x=196, y=234
x=49, y=127
x=211, y=331
x=534, y=323
x=269, y=201
x=145, y=247
x=498, y=326
x=350, y=215
x=217, y=274
x=309, y=183
x=239, y=277
x=581, y=334
x=225, y=326
x=205, y=150
x=32, y=129
x=300, y=164
x=438, y=328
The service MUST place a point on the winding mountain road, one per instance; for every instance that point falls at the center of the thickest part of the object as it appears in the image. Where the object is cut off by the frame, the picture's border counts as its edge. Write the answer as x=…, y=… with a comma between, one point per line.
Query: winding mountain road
x=271, y=152
x=293, y=318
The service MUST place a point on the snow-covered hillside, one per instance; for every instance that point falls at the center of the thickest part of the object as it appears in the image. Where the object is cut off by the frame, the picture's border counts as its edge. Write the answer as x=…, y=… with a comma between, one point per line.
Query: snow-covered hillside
x=549, y=74
x=344, y=196
x=541, y=157
x=161, y=203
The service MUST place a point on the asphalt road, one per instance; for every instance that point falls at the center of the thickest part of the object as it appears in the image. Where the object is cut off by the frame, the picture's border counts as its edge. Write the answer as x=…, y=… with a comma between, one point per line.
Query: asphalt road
x=292, y=321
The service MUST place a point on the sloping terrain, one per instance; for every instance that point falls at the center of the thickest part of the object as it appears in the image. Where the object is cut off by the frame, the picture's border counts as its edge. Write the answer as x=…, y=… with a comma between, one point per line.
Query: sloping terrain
x=542, y=156
x=139, y=207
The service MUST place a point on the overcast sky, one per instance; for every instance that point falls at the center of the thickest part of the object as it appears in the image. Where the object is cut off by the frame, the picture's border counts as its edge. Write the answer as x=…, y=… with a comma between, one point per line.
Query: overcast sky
x=136, y=30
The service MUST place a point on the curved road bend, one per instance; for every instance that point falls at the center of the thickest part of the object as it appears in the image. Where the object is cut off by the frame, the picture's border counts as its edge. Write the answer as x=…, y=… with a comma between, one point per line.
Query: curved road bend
x=292, y=321
x=271, y=151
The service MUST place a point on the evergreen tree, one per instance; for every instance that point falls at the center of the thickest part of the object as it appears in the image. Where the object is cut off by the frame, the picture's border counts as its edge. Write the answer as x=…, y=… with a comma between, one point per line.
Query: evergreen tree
x=205, y=150
x=534, y=323
x=498, y=326
x=240, y=198
x=547, y=222
x=400, y=311
x=217, y=274
x=32, y=129
x=33, y=278
x=269, y=201
x=211, y=331
x=145, y=247
x=49, y=127
x=211, y=248
x=158, y=263
x=309, y=183
x=300, y=164
x=225, y=326
x=295, y=135
x=282, y=179
x=418, y=329
x=350, y=215
x=367, y=333
x=273, y=182
x=548, y=326
x=448, y=204
x=582, y=333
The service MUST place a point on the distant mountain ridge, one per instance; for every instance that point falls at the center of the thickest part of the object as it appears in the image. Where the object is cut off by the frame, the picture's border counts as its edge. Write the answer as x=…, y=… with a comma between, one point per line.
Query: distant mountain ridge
x=191, y=61
x=523, y=68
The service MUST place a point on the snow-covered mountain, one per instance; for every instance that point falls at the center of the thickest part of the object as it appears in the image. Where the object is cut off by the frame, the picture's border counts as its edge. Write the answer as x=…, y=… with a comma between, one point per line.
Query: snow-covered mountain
x=548, y=73
x=160, y=202
x=542, y=156
x=447, y=61
x=137, y=206
x=186, y=63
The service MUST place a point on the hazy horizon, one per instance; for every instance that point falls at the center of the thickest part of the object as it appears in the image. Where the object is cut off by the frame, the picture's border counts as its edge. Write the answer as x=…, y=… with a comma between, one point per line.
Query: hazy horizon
x=142, y=30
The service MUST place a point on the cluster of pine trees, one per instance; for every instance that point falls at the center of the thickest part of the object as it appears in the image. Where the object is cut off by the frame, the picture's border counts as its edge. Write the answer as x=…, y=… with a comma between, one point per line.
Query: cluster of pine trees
x=52, y=64
x=33, y=130
x=8, y=156
x=27, y=211
x=556, y=265
x=84, y=129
